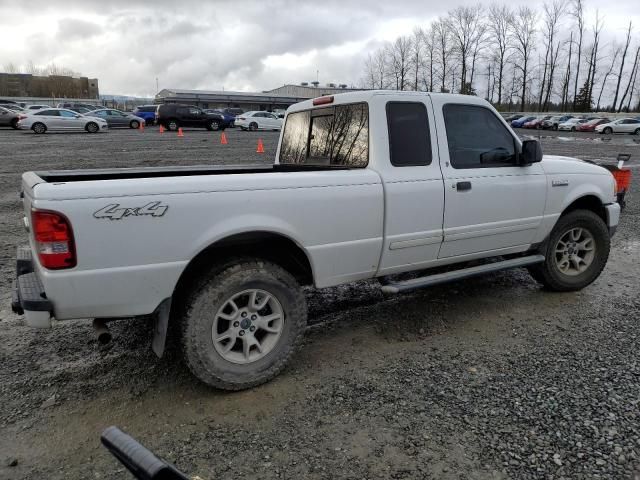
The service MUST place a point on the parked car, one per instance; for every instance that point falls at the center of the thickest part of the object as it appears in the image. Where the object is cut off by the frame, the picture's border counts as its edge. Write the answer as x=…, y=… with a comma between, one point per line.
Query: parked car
x=81, y=110
x=69, y=105
x=227, y=250
x=553, y=122
x=521, y=121
x=12, y=106
x=60, y=119
x=258, y=121
x=116, y=118
x=590, y=125
x=174, y=115
x=537, y=122
x=148, y=112
x=571, y=124
x=622, y=125
x=230, y=119
x=8, y=118
x=36, y=107
x=511, y=118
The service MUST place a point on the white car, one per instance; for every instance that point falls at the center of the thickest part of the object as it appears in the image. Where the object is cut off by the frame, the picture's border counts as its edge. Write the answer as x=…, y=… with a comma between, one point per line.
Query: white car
x=622, y=125
x=30, y=108
x=258, y=121
x=365, y=185
x=60, y=119
x=571, y=124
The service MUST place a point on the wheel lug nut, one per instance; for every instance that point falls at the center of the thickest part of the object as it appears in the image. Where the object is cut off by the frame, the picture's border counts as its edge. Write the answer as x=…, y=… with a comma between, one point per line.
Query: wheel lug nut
x=253, y=329
x=241, y=333
x=253, y=317
x=236, y=324
x=244, y=314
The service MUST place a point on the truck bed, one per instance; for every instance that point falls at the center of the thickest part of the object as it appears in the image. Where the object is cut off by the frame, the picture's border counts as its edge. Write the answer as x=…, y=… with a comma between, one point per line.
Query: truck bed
x=174, y=171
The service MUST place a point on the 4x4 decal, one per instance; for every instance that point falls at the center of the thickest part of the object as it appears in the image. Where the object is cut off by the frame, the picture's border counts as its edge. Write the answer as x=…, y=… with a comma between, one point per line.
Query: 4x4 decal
x=114, y=211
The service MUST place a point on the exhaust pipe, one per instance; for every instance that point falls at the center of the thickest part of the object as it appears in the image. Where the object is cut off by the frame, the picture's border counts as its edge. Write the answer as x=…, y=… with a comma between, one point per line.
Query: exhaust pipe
x=102, y=331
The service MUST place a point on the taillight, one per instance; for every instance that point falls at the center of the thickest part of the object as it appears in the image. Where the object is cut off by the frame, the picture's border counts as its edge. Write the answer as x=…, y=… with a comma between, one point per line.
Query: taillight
x=623, y=179
x=241, y=118
x=21, y=117
x=54, y=239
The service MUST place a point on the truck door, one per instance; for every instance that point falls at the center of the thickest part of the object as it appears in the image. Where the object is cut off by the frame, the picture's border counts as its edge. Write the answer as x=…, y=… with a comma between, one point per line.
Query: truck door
x=491, y=202
x=410, y=172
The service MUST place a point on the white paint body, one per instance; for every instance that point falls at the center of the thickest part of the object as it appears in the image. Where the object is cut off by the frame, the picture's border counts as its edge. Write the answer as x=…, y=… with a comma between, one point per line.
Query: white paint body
x=63, y=121
x=264, y=120
x=352, y=224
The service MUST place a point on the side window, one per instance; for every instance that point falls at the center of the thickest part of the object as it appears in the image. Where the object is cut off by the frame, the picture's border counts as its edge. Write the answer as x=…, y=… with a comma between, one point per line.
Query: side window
x=476, y=138
x=194, y=111
x=409, y=137
x=67, y=114
x=182, y=110
x=48, y=113
x=335, y=135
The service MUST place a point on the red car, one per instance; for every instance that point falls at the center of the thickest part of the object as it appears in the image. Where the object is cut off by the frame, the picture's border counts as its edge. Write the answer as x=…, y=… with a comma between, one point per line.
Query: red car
x=536, y=123
x=591, y=125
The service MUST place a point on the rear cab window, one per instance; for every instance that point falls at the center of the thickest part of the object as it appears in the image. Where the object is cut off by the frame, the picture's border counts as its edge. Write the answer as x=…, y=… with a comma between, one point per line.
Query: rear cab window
x=337, y=135
x=409, y=136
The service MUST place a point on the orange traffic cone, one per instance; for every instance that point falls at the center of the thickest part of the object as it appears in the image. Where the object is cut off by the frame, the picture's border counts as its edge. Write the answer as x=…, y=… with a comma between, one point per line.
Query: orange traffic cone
x=141, y=127
x=161, y=129
x=223, y=139
x=260, y=148
x=180, y=134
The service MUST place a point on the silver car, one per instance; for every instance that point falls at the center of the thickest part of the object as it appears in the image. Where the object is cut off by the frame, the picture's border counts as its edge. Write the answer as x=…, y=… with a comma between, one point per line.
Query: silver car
x=60, y=119
x=8, y=118
x=116, y=118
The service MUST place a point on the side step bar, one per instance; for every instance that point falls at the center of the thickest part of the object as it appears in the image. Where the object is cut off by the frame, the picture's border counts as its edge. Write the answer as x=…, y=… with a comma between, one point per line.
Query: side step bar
x=430, y=280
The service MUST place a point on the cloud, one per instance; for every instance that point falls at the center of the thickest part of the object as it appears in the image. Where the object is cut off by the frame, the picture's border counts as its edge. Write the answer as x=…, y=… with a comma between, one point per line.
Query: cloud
x=75, y=28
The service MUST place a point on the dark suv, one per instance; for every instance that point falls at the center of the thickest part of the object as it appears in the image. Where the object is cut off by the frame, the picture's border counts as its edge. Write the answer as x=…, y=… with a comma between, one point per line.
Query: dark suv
x=172, y=116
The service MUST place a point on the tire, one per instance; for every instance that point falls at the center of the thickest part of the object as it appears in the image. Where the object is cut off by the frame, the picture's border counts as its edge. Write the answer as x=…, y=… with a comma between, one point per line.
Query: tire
x=637, y=132
x=134, y=124
x=92, y=127
x=555, y=128
x=573, y=129
x=39, y=128
x=14, y=124
x=213, y=125
x=557, y=279
x=253, y=126
x=607, y=131
x=210, y=298
x=173, y=125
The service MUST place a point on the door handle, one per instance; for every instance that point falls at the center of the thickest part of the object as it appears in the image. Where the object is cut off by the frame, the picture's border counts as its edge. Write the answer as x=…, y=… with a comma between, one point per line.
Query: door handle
x=462, y=186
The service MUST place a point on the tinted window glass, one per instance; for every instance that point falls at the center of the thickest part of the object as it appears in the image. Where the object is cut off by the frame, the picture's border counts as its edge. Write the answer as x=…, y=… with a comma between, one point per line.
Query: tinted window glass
x=294, y=139
x=477, y=138
x=67, y=113
x=409, y=138
x=48, y=113
x=336, y=135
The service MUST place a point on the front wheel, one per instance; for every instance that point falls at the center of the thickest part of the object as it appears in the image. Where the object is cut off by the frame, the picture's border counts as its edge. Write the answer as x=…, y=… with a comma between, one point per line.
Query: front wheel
x=92, y=127
x=214, y=125
x=637, y=132
x=573, y=129
x=39, y=128
x=576, y=253
x=14, y=124
x=253, y=126
x=241, y=324
x=608, y=131
x=134, y=124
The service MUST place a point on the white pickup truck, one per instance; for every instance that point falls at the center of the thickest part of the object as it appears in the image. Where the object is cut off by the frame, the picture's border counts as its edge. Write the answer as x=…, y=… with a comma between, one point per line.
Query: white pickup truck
x=365, y=185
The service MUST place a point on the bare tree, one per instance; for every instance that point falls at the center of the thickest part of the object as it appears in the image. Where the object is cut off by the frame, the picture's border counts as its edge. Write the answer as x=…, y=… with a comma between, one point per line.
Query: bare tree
x=552, y=15
x=465, y=27
x=10, y=67
x=624, y=56
x=399, y=56
x=567, y=77
x=523, y=32
x=615, y=52
x=429, y=39
x=578, y=13
x=499, y=19
x=443, y=42
x=417, y=62
x=631, y=80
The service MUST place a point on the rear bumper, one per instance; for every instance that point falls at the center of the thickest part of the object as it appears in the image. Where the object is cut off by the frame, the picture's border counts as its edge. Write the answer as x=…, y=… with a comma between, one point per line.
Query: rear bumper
x=28, y=296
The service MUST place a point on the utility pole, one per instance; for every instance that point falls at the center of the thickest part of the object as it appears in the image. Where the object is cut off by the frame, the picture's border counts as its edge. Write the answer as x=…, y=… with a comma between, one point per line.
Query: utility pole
x=157, y=89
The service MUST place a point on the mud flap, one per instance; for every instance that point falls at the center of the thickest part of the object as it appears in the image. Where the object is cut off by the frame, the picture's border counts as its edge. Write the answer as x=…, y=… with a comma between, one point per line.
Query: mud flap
x=160, y=326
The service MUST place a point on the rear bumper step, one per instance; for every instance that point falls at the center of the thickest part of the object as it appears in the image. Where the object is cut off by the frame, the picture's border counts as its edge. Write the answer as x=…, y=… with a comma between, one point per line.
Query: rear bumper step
x=438, y=278
x=29, y=297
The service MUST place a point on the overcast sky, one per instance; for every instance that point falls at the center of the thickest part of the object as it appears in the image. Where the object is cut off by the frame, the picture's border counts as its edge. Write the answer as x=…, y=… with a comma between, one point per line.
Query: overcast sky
x=240, y=45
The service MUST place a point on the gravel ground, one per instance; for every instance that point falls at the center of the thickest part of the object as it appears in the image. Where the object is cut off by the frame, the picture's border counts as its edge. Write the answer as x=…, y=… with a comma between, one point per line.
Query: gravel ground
x=488, y=378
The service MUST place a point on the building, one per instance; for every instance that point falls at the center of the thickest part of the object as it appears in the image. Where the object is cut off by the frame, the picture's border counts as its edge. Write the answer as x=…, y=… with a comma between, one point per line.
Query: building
x=278, y=98
x=57, y=86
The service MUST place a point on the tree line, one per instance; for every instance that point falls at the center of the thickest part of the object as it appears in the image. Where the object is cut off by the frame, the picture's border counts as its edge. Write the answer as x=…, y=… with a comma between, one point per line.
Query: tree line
x=516, y=58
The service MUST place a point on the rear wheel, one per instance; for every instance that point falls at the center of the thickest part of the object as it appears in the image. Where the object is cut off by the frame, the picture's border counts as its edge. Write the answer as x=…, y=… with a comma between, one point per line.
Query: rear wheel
x=134, y=124
x=573, y=129
x=14, y=124
x=92, y=127
x=253, y=126
x=608, y=131
x=172, y=125
x=555, y=127
x=39, y=127
x=213, y=125
x=241, y=324
x=576, y=253
x=637, y=132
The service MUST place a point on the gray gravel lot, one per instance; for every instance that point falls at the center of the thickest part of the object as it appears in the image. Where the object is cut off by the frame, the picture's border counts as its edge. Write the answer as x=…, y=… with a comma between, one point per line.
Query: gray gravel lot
x=488, y=378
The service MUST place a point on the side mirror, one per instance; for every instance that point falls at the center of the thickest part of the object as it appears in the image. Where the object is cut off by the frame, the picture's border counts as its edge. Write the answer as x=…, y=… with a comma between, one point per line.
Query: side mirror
x=531, y=152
